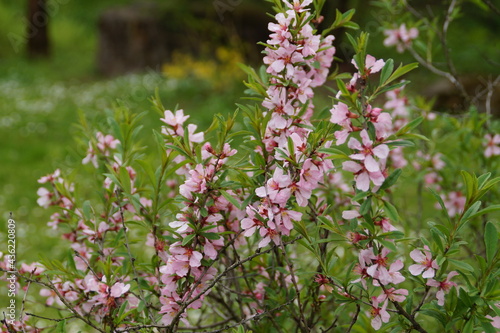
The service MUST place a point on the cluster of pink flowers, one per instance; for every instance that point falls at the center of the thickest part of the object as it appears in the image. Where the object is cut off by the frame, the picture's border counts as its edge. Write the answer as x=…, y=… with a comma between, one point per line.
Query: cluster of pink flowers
x=401, y=37
x=183, y=260
x=52, y=196
x=298, y=60
x=365, y=167
x=378, y=269
x=368, y=162
x=103, y=147
x=427, y=266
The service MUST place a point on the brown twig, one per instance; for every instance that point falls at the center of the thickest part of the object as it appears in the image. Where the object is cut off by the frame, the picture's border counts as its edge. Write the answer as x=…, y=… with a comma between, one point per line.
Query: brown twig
x=491, y=6
x=51, y=286
x=218, y=277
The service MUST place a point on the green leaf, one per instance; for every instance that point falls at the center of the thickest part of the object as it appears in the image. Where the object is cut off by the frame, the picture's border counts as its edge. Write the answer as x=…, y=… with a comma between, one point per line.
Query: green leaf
x=125, y=180
x=386, y=71
x=360, y=196
x=87, y=209
x=211, y=235
x=492, y=208
x=402, y=70
x=435, y=314
x=230, y=198
x=121, y=312
x=61, y=326
x=472, y=210
x=391, y=180
x=411, y=125
x=187, y=239
x=481, y=180
x=440, y=201
x=391, y=211
x=470, y=184
x=366, y=206
x=401, y=143
x=491, y=241
x=461, y=264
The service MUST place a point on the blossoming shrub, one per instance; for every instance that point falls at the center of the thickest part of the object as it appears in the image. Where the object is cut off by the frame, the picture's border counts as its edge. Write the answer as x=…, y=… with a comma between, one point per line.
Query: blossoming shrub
x=278, y=218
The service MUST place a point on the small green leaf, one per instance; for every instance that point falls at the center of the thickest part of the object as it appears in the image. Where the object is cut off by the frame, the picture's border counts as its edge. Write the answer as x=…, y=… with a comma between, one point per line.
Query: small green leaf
x=211, y=235
x=461, y=264
x=61, y=326
x=386, y=71
x=87, y=209
x=391, y=180
x=491, y=241
x=470, y=184
x=401, y=143
x=391, y=211
x=402, y=70
x=441, y=203
x=230, y=198
x=366, y=206
x=490, y=209
x=187, y=239
x=411, y=125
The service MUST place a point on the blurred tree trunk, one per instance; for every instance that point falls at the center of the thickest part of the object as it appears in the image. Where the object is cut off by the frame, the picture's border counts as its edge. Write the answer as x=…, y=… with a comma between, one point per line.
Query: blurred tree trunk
x=37, y=30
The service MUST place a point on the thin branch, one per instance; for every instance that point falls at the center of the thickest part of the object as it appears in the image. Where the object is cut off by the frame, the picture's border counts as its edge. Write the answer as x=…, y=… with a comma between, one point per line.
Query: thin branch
x=444, y=42
x=297, y=290
x=218, y=277
x=47, y=318
x=355, y=318
x=439, y=72
x=7, y=325
x=51, y=286
x=403, y=312
x=24, y=300
x=491, y=6
x=204, y=327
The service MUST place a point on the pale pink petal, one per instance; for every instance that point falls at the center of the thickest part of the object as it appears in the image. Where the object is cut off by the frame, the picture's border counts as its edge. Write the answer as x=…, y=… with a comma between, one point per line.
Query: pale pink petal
x=363, y=181
x=416, y=269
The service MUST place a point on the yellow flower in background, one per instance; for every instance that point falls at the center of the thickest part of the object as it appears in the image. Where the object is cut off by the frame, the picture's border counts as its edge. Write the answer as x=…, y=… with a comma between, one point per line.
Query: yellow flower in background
x=216, y=71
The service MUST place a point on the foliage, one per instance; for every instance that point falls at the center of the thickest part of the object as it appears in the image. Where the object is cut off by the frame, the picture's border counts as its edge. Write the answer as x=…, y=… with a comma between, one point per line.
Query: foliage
x=280, y=217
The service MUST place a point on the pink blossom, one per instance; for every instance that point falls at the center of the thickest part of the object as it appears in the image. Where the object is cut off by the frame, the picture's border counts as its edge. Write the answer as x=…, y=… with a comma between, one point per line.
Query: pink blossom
x=34, y=268
x=118, y=289
x=363, y=176
x=51, y=178
x=267, y=235
x=367, y=151
x=45, y=197
x=106, y=142
x=284, y=217
x=444, y=286
x=372, y=65
x=425, y=263
x=251, y=223
x=454, y=202
x=176, y=120
x=378, y=269
x=400, y=37
x=350, y=214
x=492, y=145
x=298, y=5
x=394, y=295
x=276, y=188
x=379, y=314
x=385, y=224
x=341, y=115
x=495, y=321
